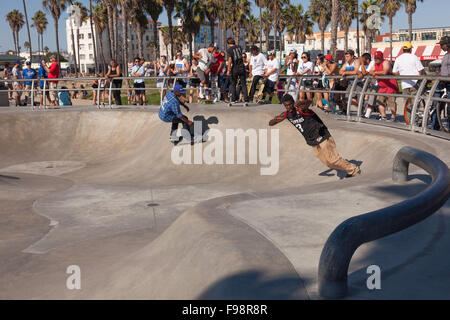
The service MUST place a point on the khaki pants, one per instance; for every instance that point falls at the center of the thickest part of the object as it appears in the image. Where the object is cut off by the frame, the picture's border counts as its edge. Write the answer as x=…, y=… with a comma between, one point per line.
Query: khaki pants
x=327, y=153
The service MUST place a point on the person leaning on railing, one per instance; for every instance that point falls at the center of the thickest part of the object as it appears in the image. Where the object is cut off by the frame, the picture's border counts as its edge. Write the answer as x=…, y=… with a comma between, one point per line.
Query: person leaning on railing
x=114, y=71
x=53, y=73
x=445, y=72
x=383, y=68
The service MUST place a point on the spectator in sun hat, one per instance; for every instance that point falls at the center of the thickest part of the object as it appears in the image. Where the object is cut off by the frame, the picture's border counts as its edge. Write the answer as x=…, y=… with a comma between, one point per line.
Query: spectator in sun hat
x=53, y=73
x=408, y=64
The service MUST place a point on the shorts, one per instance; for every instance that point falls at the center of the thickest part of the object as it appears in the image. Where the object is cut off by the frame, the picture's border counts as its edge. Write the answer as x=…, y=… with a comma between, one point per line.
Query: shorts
x=306, y=84
x=139, y=85
x=269, y=86
x=53, y=94
x=17, y=86
x=202, y=76
x=194, y=82
x=387, y=101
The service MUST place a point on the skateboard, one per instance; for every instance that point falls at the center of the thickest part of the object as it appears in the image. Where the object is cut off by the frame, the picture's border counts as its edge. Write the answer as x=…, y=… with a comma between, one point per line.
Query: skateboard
x=206, y=101
x=244, y=104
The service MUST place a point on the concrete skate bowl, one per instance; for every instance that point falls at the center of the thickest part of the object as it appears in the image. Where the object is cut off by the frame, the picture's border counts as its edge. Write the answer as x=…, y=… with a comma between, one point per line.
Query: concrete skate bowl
x=143, y=227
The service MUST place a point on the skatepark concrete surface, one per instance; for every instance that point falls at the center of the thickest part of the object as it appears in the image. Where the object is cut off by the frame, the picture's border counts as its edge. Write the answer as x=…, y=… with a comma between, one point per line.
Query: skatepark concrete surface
x=98, y=189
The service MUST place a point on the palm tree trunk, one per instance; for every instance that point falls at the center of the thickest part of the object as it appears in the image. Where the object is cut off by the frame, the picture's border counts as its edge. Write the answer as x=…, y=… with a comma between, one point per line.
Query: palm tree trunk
x=28, y=28
x=410, y=25
x=18, y=42
x=260, y=29
x=169, y=17
x=93, y=37
x=99, y=33
x=57, y=40
x=224, y=35
x=212, y=25
x=275, y=33
x=334, y=26
x=190, y=46
x=115, y=32
x=78, y=48
x=139, y=35
x=155, y=38
x=73, y=49
x=346, y=41
x=112, y=48
x=15, y=42
x=322, y=34
x=390, y=34
x=124, y=38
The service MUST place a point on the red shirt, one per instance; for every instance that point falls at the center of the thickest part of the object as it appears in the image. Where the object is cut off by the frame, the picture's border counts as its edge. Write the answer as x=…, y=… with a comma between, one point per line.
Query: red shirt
x=386, y=85
x=54, y=72
x=215, y=66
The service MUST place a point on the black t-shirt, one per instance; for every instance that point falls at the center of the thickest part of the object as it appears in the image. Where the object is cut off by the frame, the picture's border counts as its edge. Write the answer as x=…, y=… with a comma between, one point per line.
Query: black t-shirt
x=235, y=53
x=310, y=126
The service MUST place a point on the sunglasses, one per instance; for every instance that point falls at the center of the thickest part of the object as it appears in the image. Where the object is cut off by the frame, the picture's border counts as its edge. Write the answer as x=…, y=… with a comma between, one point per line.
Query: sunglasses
x=304, y=57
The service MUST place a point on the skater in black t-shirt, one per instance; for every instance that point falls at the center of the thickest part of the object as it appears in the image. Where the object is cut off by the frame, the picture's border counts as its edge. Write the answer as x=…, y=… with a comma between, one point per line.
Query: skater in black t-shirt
x=315, y=133
x=236, y=69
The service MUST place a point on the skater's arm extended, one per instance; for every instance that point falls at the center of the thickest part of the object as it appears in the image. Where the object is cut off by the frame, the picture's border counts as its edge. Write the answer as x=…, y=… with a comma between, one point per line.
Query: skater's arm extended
x=186, y=120
x=277, y=119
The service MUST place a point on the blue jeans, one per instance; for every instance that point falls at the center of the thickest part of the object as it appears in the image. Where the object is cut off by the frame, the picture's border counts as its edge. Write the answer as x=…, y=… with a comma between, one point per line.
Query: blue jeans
x=434, y=122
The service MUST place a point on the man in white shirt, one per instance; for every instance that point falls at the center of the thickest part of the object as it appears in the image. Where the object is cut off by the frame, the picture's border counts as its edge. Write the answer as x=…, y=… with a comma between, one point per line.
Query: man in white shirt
x=205, y=58
x=138, y=70
x=257, y=65
x=408, y=64
x=271, y=74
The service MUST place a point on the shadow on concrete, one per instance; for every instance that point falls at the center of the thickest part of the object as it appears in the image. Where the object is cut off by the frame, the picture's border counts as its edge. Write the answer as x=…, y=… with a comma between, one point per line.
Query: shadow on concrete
x=341, y=174
x=200, y=122
x=412, y=261
x=255, y=285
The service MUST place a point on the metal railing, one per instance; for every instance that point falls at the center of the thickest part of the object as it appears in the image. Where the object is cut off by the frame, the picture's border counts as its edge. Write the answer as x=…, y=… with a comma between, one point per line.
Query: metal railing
x=351, y=91
x=350, y=234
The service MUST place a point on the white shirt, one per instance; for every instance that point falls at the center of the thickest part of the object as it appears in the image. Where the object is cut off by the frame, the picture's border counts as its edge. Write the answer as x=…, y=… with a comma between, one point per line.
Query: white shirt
x=138, y=69
x=302, y=66
x=180, y=65
x=258, y=64
x=206, y=60
x=408, y=64
x=369, y=68
x=273, y=64
x=17, y=74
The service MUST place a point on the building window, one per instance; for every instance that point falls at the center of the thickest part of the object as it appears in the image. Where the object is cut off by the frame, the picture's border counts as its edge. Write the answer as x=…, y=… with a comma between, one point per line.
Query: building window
x=446, y=33
x=81, y=46
x=89, y=35
x=146, y=38
x=91, y=56
x=404, y=37
x=429, y=36
x=82, y=57
x=132, y=37
x=81, y=36
x=90, y=46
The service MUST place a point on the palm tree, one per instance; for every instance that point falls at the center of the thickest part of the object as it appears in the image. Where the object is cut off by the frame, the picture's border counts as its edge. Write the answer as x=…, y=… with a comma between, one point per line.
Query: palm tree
x=100, y=19
x=390, y=9
x=15, y=19
x=369, y=31
x=93, y=36
x=192, y=16
x=83, y=18
x=28, y=28
x=335, y=10
x=40, y=23
x=410, y=8
x=282, y=24
x=169, y=5
x=320, y=13
x=276, y=7
x=347, y=14
x=74, y=55
x=166, y=38
x=54, y=7
x=267, y=25
x=140, y=22
x=46, y=50
x=154, y=10
x=253, y=32
x=111, y=8
x=212, y=8
x=238, y=13
x=261, y=4
x=125, y=6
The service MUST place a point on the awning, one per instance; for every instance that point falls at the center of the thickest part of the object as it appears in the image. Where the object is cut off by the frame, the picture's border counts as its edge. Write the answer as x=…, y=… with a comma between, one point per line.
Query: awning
x=425, y=53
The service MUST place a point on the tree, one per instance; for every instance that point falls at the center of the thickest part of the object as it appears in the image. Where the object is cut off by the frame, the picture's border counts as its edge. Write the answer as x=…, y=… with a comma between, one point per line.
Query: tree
x=169, y=5
x=15, y=19
x=100, y=19
x=166, y=38
x=276, y=7
x=54, y=7
x=74, y=54
x=192, y=15
x=83, y=18
x=154, y=10
x=390, y=8
x=369, y=29
x=140, y=23
x=212, y=8
x=253, y=31
x=267, y=26
x=299, y=23
x=261, y=4
x=93, y=36
x=28, y=29
x=320, y=13
x=238, y=14
x=410, y=8
x=46, y=50
x=347, y=14
x=40, y=24
x=335, y=10
x=125, y=6
x=111, y=9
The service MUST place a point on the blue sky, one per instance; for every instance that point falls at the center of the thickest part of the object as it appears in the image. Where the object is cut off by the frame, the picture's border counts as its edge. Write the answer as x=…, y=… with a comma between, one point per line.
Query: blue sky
x=431, y=13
